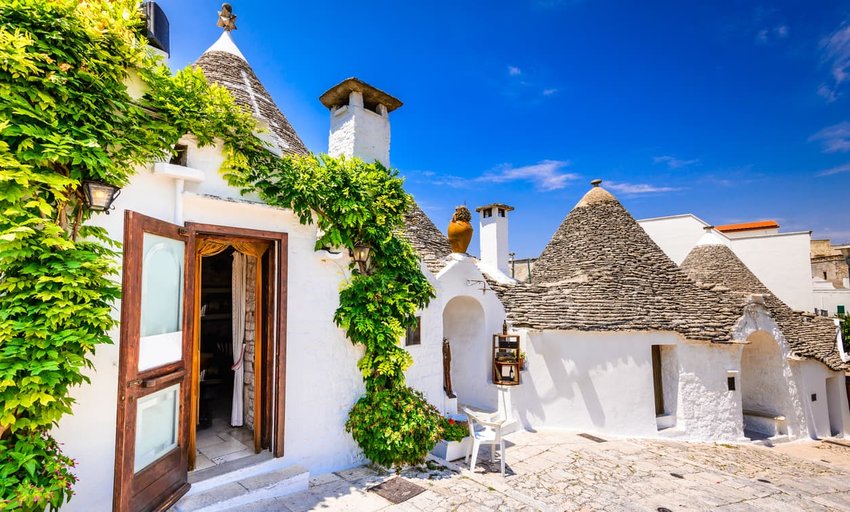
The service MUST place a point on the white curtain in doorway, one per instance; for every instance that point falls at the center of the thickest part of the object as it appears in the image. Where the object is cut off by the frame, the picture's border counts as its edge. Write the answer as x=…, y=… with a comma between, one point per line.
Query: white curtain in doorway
x=239, y=291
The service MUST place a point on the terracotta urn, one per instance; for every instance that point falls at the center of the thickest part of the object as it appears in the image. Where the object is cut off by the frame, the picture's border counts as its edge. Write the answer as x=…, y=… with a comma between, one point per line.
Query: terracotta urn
x=460, y=230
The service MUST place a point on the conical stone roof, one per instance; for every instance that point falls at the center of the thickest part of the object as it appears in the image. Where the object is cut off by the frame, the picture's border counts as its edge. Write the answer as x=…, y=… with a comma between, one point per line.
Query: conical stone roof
x=225, y=65
x=807, y=335
x=431, y=244
x=602, y=272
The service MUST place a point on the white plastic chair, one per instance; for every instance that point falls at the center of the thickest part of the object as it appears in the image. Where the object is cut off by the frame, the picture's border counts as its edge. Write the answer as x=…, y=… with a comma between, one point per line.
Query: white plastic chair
x=489, y=433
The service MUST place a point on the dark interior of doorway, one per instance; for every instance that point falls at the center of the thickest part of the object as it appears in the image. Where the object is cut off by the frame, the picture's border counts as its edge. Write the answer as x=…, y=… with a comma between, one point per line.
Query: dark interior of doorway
x=217, y=440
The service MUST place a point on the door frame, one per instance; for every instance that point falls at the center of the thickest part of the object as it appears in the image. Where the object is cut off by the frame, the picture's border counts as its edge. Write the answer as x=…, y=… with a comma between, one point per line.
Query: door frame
x=135, y=225
x=274, y=382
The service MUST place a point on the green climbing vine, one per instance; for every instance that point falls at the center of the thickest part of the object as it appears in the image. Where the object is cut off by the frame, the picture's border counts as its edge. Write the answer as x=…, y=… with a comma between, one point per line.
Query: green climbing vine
x=354, y=202
x=66, y=117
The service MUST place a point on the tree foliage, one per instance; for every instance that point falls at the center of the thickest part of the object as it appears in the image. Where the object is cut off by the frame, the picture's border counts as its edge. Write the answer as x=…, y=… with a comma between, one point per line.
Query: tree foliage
x=67, y=116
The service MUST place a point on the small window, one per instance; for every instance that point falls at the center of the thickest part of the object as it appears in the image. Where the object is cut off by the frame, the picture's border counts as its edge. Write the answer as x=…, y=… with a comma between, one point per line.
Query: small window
x=413, y=336
x=839, y=309
x=488, y=212
x=730, y=383
x=824, y=276
x=501, y=212
x=814, y=397
x=178, y=156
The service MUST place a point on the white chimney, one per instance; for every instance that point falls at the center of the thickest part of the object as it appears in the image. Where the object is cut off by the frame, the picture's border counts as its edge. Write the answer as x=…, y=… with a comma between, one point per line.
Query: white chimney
x=493, y=235
x=360, y=122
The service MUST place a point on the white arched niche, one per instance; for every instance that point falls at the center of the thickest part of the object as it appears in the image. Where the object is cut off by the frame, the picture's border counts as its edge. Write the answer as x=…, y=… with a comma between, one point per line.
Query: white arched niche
x=464, y=327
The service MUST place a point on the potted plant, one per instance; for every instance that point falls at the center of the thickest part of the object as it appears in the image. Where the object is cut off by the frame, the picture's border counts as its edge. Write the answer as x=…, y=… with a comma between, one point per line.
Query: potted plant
x=455, y=438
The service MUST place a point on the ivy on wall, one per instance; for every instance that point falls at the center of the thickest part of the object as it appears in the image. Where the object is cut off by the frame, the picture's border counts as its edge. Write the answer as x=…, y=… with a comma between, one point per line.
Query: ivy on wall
x=354, y=202
x=66, y=117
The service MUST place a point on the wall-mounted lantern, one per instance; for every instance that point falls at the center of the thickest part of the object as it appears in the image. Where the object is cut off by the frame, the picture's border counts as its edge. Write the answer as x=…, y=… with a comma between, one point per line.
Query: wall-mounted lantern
x=362, y=255
x=99, y=196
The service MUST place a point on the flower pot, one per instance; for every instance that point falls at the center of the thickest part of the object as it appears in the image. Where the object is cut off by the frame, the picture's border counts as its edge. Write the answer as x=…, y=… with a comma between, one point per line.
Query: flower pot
x=452, y=450
x=460, y=230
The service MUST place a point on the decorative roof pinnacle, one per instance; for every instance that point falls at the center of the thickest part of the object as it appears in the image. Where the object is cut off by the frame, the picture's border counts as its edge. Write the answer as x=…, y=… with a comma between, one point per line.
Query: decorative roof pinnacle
x=226, y=18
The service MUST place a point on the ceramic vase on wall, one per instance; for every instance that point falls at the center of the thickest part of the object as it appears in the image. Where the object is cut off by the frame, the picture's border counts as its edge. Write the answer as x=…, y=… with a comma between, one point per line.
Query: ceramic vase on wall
x=460, y=230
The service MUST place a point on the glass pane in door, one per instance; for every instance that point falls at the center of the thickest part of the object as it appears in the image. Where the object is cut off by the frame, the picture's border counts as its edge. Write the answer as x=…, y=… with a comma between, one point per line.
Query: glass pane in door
x=157, y=418
x=162, y=301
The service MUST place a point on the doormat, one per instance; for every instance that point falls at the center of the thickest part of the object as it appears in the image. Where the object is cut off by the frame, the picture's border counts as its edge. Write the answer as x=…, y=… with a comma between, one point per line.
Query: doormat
x=593, y=438
x=397, y=490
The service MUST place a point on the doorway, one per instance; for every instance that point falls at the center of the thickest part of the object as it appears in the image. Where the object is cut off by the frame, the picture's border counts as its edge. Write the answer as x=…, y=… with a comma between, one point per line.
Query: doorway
x=833, y=404
x=165, y=344
x=225, y=427
x=235, y=380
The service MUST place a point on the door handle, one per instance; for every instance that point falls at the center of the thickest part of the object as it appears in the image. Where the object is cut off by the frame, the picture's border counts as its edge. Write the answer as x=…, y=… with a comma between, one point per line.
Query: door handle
x=158, y=381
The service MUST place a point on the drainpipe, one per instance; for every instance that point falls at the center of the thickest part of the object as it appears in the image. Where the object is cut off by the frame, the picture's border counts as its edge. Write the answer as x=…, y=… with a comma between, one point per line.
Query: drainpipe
x=179, y=185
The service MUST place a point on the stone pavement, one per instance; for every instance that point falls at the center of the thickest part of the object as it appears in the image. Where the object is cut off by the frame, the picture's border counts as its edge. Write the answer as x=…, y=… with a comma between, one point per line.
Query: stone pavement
x=561, y=471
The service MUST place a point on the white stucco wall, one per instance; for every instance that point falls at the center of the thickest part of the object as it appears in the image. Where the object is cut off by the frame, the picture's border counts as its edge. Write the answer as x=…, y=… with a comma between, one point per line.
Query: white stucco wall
x=576, y=380
x=829, y=300
x=828, y=413
x=782, y=262
x=675, y=235
x=322, y=379
x=426, y=373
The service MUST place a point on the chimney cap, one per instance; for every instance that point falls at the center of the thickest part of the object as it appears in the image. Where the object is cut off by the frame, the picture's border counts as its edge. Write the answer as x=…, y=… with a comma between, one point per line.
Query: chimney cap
x=338, y=94
x=496, y=205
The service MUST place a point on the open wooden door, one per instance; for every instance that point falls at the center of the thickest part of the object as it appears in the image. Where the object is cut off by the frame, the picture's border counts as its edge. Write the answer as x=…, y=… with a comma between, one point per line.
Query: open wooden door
x=155, y=358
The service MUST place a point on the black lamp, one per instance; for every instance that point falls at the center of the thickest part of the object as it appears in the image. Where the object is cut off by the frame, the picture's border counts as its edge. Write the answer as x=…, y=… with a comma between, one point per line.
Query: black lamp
x=362, y=255
x=99, y=196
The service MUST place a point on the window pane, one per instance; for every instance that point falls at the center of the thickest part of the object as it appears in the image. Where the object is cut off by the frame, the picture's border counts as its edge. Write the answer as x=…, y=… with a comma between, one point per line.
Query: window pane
x=156, y=426
x=162, y=301
x=162, y=285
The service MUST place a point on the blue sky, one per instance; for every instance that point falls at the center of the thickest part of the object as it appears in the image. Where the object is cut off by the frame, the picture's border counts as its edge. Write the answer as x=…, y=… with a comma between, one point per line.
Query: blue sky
x=731, y=110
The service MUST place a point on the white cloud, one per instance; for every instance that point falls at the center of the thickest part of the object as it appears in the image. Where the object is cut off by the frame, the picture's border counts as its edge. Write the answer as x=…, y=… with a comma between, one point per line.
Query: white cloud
x=638, y=188
x=549, y=92
x=514, y=71
x=835, y=170
x=546, y=175
x=673, y=162
x=834, y=139
x=837, y=55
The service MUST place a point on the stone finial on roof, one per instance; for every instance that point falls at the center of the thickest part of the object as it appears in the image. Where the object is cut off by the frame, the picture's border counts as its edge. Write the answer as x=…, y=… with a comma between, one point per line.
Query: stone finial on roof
x=226, y=18
x=596, y=195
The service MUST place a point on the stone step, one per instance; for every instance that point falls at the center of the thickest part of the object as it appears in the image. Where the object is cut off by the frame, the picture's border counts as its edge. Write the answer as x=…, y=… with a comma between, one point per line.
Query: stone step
x=250, y=488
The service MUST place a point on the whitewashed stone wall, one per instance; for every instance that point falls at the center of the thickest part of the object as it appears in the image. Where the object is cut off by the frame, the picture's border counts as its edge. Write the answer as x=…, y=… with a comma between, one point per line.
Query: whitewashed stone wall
x=426, y=372
x=706, y=408
x=358, y=131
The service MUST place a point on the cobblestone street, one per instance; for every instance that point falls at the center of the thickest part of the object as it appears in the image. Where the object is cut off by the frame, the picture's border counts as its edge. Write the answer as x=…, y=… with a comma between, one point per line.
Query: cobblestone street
x=562, y=471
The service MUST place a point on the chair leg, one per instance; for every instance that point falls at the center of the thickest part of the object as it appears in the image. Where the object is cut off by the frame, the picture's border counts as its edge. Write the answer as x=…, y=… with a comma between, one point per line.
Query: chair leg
x=492, y=452
x=474, y=455
x=502, y=455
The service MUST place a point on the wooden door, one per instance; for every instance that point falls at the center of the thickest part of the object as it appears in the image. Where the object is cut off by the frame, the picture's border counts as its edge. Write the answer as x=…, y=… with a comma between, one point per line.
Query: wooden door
x=153, y=388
